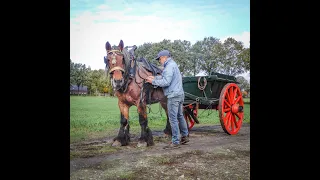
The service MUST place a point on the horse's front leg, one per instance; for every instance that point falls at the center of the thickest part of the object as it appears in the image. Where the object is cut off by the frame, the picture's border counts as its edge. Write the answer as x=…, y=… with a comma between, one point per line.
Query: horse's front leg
x=123, y=137
x=146, y=138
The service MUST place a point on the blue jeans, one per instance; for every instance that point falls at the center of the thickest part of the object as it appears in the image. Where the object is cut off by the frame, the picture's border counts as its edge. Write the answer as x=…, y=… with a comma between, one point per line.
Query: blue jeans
x=176, y=118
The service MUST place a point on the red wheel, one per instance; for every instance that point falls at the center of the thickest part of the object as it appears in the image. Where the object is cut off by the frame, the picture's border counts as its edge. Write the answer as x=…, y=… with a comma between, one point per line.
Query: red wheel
x=190, y=121
x=231, y=108
x=195, y=112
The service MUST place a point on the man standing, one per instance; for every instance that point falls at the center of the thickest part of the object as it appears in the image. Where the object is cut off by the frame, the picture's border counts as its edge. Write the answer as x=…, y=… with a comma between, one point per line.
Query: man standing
x=171, y=82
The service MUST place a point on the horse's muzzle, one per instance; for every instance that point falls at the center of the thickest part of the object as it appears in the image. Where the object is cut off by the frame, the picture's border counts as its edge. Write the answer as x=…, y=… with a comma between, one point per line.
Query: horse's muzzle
x=117, y=84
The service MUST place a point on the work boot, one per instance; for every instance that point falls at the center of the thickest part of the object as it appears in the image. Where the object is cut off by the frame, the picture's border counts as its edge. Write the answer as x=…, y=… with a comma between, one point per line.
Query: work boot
x=172, y=146
x=184, y=139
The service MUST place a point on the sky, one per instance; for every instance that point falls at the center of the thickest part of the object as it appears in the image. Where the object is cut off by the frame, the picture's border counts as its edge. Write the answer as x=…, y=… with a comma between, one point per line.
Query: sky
x=94, y=22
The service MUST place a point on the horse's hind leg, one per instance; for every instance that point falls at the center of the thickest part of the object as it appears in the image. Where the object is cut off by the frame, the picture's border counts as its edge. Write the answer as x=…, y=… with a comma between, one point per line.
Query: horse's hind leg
x=123, y=137
x=146, y=138
x=167, y=130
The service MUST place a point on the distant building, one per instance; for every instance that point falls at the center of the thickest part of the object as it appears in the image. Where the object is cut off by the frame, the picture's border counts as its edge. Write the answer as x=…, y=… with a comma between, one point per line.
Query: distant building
x=82, y=89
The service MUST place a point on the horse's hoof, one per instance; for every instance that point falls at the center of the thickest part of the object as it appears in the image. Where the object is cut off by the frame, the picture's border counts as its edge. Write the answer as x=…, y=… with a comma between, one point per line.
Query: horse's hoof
x=116, y=143
x=142, y=144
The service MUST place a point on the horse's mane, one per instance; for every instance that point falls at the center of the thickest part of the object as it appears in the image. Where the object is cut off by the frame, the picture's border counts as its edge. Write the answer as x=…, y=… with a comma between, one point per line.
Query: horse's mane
x=126, y=57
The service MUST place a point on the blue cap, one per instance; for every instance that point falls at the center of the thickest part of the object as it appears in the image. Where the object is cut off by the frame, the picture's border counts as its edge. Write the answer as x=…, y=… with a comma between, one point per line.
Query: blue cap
x=163, y=53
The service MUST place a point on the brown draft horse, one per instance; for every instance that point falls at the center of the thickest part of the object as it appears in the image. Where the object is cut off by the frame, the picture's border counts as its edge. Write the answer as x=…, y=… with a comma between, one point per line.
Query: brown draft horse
x=128, y=90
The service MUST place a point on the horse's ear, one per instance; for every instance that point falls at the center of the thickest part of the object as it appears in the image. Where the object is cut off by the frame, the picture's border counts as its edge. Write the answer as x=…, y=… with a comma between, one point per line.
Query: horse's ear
x=121, y=45
x=108, y=46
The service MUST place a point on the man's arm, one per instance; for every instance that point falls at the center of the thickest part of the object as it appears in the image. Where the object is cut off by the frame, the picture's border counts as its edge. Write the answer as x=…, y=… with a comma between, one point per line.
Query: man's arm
x=158, y=77
x=149, y=79
x=166, y=79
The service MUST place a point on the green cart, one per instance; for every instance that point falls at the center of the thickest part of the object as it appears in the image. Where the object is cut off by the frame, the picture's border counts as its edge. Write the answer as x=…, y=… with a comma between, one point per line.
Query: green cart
x=216, y=91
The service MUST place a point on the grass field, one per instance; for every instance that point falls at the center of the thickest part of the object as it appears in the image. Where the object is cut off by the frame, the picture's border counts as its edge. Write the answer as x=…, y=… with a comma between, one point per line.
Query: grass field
x=246, y=100
x=95, y=117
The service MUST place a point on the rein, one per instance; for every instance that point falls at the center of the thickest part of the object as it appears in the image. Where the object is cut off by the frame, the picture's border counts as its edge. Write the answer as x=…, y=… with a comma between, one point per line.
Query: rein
x=144, y=79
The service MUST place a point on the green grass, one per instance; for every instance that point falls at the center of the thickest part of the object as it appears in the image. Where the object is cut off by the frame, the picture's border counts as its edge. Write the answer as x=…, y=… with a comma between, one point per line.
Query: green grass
x=95, y=117
x=246, y=100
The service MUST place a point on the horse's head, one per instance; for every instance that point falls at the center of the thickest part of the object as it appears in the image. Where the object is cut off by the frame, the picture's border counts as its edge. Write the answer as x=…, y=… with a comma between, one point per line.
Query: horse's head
x=115, y=63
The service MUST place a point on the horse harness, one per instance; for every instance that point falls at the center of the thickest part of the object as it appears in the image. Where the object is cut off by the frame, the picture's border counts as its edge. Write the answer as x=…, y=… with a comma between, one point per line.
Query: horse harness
x=146, y=87
x=114, y=53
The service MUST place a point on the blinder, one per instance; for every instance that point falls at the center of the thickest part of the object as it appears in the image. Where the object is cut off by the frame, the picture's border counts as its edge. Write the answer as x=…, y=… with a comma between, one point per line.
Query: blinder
x=106, y=62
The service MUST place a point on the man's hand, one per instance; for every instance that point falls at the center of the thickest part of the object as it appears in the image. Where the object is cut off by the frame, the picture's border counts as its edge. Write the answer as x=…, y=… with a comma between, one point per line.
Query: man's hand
x=150, y=79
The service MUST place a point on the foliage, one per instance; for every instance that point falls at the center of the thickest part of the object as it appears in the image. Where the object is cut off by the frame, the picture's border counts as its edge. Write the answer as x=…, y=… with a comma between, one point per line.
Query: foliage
x=105, y=90
x=96, y=80
x=72, y=74
x=78, y=74
x=245, y=58
x=208, y=55
x=232, y=57
x=244, y=85
x=244, y=94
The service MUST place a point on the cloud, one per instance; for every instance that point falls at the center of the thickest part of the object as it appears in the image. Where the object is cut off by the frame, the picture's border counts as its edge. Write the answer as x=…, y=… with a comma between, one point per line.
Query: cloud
x=243, y=37
x=246, y=75
x=136, y=23
x=90, y=31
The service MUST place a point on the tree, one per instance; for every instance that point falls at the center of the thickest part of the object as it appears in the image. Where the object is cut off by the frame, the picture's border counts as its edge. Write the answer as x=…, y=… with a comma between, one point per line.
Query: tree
x=245, y=58
x=157, y=47
x=181, y=52
x=205, y=55
x=79, y=75
x=108, y=85
x=243, y=84
x=144, y=51
x=244, y=94
x=97, y=81
x=232, y=58
x=208, y=55
x=72, y=73
x=89, y=83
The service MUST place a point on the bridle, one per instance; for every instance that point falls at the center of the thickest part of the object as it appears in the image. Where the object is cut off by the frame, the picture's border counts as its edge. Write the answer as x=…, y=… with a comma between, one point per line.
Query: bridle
x=113, y=54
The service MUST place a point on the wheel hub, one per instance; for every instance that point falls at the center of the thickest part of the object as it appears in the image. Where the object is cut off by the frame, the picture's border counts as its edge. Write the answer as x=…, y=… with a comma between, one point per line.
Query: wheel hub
x=236, y=108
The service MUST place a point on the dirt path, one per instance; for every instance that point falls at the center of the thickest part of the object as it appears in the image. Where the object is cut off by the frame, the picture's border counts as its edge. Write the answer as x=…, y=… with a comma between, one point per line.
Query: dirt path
x=210, y=154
